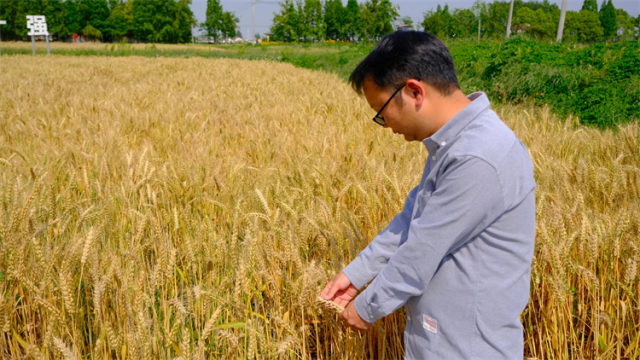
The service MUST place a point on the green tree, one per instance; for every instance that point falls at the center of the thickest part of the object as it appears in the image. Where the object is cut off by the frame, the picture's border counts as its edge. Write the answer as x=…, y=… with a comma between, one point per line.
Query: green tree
x=229, y=24
x=407, y=20
x=94, y=13
x=15, y=13
x=433, y=22
x=626, y=25
x=582, y=27
x=466, y=22
x=608, y=19
x=54, y=12
x=313, y=21
x=479, y=9
x=441, y=23
x=119, y=23
x=212, y=24
x=333, y=19
x=162, y=21
x=590, y=5
x=219, y=23
x=92, y=33
x=382, y=13
x=351, y=19
x=72, y=24
x=541, y=24
x=365, y=22
x=286, y=24
x=450, y=26
x=495, y=25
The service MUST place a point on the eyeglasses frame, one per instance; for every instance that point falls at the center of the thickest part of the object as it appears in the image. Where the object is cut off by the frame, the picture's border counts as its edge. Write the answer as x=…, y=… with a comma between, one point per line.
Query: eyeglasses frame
x=380, y=119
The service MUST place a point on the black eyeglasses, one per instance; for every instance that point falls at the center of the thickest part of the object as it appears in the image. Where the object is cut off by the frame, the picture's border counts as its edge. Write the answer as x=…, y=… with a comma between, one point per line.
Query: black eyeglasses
x=379, y=119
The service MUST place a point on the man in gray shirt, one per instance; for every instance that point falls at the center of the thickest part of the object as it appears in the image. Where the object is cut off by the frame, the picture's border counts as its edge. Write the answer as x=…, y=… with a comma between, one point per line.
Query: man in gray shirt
x=458, y=256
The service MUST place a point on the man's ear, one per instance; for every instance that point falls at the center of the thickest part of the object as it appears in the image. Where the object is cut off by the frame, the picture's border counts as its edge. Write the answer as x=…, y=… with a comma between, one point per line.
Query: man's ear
x=417, y=90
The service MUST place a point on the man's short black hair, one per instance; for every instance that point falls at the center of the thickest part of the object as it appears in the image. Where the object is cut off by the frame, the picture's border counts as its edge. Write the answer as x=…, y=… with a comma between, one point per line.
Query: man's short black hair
x=405, y=55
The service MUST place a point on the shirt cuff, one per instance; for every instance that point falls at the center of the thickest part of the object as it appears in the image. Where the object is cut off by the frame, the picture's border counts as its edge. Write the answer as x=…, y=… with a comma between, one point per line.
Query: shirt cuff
x=357, y=273
x=360, y=303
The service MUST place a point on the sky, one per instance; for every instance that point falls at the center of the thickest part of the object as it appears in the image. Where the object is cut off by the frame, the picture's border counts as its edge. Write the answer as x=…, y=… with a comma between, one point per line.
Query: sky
x=413, y=8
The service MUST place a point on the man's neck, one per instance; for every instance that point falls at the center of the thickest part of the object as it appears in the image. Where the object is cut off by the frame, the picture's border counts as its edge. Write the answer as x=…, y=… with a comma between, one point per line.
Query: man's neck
x=446, y=107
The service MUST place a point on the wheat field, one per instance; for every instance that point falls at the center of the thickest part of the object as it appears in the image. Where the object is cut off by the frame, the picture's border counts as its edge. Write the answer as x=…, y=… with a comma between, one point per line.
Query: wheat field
x=192, y=208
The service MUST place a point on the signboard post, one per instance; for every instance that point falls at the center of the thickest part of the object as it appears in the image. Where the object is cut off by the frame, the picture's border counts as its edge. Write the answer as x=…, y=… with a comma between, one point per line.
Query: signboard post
x=2, y=22
x=38, y=26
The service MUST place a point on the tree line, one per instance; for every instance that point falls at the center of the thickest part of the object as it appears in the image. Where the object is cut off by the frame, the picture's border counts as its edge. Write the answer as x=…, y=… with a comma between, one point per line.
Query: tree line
x=162, y=21
x=533, y=19
x=311, y=20
x=172, y=21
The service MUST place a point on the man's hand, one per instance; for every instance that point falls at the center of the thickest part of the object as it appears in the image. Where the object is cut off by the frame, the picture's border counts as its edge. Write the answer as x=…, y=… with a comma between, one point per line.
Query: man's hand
x=353, y=320
x=339, y=290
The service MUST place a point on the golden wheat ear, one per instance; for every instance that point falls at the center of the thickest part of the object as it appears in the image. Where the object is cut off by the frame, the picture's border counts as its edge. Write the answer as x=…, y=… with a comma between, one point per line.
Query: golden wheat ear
x=331, y=304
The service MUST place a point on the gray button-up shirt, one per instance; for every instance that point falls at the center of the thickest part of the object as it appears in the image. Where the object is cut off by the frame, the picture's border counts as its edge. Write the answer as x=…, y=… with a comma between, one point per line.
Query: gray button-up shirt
x=459, y=254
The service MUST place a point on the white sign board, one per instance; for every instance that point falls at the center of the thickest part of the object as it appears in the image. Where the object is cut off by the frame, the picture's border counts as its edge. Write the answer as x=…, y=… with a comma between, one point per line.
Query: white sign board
x=37, y=24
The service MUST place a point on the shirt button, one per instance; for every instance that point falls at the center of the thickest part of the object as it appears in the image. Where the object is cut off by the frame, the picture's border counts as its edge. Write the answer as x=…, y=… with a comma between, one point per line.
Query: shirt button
x=443, y=143
x=433, y=157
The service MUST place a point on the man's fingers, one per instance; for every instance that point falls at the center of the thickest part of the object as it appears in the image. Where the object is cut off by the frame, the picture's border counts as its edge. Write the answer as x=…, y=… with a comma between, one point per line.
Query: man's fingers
x=331, y=293
x=342, y=302
x=325, y=291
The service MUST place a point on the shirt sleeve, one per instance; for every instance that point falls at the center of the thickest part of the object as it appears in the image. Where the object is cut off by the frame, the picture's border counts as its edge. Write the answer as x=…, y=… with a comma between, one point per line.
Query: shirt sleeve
x=375, y=256
x=467, y=198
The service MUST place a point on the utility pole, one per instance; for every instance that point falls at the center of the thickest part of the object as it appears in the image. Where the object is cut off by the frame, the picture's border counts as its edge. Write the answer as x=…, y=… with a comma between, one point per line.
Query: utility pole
x=253, y=18
x=509, y=21
x=563, y=12
x=2, y=22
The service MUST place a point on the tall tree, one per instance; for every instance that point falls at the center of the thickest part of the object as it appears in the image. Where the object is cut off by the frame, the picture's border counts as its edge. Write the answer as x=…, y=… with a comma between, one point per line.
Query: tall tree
x=312, y=20
x=542, y=25
x=626, y=25
x=219, y=23
x=466, y=22
x=365, y=20
x=590, y=5
x=285, y=25
x=407, y=20
x=351, y=19
x=162, y=21
x=440, y=22
x=15, y=13
x=382, y=13
x=93, y=17
x=72, y=19
x=333, y=19
x=213, y=20
x=119, y=23
x=479, y=8
x=495, y=22
x=433, y=22
x=608, y=19
x=582, y=27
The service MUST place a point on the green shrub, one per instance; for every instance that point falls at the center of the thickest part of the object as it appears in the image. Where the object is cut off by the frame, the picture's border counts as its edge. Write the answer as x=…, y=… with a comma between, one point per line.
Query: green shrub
x=597, y=83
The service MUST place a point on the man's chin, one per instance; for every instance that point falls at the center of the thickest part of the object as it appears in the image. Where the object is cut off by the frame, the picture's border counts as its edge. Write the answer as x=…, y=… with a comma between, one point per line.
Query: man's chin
x=409, y=137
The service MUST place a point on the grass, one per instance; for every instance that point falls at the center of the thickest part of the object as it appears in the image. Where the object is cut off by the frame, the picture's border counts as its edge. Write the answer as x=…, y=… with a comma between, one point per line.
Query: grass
x=598, y=83
x=339, y=58
x=163, y=207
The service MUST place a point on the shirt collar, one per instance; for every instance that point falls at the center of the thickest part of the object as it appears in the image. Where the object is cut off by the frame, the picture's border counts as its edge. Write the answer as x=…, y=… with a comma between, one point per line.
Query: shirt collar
x=479, y=103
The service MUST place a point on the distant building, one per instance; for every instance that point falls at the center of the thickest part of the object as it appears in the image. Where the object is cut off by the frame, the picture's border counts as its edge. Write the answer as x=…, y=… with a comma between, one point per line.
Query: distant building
x=520, y=29
x=404, y=27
